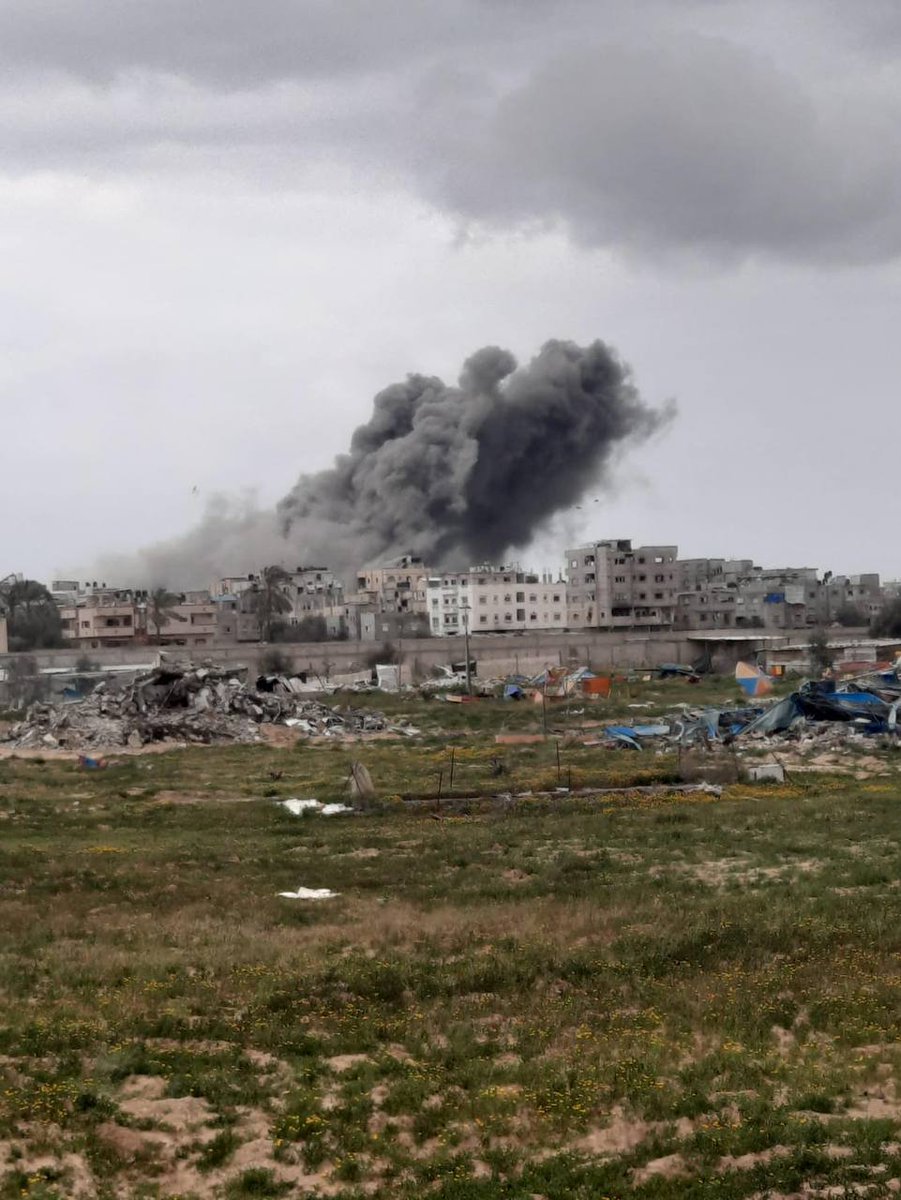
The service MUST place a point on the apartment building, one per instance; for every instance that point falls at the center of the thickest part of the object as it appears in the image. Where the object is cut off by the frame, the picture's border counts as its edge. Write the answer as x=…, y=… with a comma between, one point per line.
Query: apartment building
x=495, y=600
x=613, y=585
x=863, y=593
x=97, y=617
x=399, y=587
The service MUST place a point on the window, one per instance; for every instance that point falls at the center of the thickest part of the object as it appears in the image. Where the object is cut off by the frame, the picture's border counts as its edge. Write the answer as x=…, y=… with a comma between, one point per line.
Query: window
x=533, y=598
x=520, y=614
x=533, y=616
x=619, y=579
x=642, y=578
x=556, y=616
x=520, y=597
x=508, y=617
x=507, y=598
x=589, y=560
x=557, y=598
x=574, y=563
x=483, y=620
x=483, y=599
x=658, y=595
x=589, y=578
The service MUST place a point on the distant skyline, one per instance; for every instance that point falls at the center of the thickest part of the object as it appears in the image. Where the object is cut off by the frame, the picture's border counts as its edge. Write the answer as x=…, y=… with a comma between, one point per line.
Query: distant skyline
x=225, y=227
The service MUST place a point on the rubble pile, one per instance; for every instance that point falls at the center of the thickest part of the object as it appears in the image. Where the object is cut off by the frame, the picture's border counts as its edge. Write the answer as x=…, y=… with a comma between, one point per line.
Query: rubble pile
x=184, y=703
x=820, y=714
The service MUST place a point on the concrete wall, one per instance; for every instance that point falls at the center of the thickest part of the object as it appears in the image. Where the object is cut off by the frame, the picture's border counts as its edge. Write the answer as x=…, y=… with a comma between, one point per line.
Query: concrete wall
x=496, y=654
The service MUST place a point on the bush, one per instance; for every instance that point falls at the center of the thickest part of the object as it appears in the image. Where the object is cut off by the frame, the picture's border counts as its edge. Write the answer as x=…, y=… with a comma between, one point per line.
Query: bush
x=821, y=655
x=888, y=623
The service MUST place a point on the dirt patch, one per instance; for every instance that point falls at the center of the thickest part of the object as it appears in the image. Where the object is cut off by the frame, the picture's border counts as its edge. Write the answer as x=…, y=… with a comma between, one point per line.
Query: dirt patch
x=785, y=1040
x=128, y=1144
x=143, y=1087
x=514, y=875
x=619, y=1137
x=178, y=1114
x=671, y=1166
x=747, y=1162
x=170, y=797
x=340, y=1063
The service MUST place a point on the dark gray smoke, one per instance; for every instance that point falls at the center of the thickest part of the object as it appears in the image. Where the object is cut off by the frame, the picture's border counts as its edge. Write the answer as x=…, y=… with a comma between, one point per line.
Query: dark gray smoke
x=455, y=474
x=460, y=474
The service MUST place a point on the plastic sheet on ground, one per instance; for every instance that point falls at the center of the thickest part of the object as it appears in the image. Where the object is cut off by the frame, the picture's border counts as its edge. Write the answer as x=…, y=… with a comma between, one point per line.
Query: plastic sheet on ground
x=305, y=893
x=300, y=808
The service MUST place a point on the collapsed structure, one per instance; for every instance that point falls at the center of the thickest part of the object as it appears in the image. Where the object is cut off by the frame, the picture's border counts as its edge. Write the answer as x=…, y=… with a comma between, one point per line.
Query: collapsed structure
x=183, y=703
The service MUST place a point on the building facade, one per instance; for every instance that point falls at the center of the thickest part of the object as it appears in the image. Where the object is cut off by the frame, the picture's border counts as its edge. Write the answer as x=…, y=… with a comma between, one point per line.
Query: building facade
x=494, y=600
x=613, y=585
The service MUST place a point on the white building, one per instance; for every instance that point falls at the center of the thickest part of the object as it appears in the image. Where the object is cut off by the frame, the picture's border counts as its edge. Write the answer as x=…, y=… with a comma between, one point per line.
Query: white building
x=494, y=600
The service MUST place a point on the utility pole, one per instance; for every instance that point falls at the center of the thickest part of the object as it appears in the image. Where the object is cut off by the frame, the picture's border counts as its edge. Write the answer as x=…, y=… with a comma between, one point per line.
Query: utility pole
x=466, y=610
x=400, y=653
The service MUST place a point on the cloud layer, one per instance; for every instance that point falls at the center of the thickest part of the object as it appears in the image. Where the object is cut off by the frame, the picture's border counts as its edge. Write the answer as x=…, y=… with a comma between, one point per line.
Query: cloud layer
x=648, y=135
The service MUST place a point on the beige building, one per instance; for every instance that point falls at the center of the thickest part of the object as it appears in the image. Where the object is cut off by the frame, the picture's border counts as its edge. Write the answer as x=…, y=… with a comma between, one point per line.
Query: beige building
x=108, y=617
x=192, y=622
x=400, y=587
x=101, y=619
x=611, y=585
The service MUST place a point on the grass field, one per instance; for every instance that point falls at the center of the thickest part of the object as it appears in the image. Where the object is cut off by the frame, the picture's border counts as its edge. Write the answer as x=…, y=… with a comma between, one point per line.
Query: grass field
x=628, y=995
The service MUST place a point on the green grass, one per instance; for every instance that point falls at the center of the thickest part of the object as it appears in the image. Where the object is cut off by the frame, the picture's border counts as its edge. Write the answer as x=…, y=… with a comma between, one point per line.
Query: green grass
x=538, y=998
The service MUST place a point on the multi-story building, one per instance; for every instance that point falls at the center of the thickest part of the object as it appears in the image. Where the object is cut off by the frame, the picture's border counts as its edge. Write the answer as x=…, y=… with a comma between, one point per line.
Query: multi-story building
x=495, y=599
x=611, y=585
x=779, y=598
x=192, y=621
x=848, y=594
x=399, y=587
x=106, y=617
x=97, y=617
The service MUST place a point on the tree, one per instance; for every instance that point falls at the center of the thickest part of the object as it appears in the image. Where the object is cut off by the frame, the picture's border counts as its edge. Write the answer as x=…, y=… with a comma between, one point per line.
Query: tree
x=888, y=623
x=269, y=600
x=161, y=610
x=33, y=620
x=821, y=655
x=850, y=615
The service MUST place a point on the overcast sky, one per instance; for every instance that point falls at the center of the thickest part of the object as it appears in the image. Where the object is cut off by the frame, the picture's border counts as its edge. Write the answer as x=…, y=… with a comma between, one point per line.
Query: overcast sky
x=224, y=226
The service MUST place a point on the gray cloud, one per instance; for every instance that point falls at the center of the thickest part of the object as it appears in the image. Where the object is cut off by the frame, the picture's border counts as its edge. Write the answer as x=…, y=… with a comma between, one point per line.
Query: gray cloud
x=626, y=131
x=692, y=144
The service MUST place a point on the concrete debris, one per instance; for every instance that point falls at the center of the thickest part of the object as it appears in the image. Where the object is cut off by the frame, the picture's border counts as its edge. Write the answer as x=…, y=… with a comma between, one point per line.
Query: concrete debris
x=185, y=703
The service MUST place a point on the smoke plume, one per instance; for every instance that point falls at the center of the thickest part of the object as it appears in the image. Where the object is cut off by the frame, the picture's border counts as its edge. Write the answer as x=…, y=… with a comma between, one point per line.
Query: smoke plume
x=454, y=474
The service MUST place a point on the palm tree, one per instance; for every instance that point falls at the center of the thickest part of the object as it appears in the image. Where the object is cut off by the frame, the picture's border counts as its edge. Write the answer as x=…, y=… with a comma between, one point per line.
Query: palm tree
x=161, y=610
x=32, y=615
x=269, y=600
